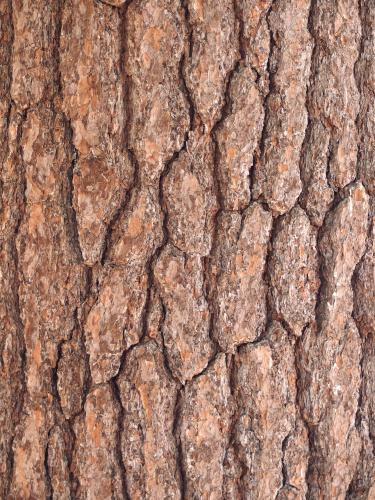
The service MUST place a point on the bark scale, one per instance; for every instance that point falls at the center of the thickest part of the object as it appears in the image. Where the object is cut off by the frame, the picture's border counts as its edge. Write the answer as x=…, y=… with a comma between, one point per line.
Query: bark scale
x=187, y=249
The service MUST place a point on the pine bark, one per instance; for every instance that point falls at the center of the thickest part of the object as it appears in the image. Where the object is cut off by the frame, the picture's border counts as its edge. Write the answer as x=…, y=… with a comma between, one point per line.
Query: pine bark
x=187, y=252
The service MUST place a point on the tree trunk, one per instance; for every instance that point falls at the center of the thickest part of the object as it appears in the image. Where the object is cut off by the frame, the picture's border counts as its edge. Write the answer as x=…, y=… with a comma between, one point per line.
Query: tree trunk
x=187, y=252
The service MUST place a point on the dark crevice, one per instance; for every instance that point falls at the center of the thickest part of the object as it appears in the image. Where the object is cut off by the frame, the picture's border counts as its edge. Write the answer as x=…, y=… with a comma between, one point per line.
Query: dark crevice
x=211, y=361
x=241, y=39
x=210, y=291
x=136, y=185
x=122, y=208
x=234, y=414
x=319, y=318
x=208, y=288
x=19, y=399
x=81, y=320
x=301, y=389
x=91, y=292
x=320, y=302
x=363, y=10
x=150, y=264
x=109, y=4
x=185, y=6
x=56, y=62
x=194, y=117
x=163, y=206
x=179, y=449
x=357, y=77
x=21, y=396
x=230, y=437
x=127, y=93
x=304, y=152
x=332, y=147
x=120, y=429
x=315, y=63
x=308, y=139
x=284, y=469
x=71, y=215
x=322, y=278
x=259, y=156
x=194, y=122
x=244, y=61
x=55, y=369
x=271, y=313
x=263, y=337
x=361, y=412
x=164, y=349
x=74, y=483
x=71, y=227
x=188, y=97
x=261, y=150
x=310, y=123
x=68, y=207
x=48, y=480
x=210, y=295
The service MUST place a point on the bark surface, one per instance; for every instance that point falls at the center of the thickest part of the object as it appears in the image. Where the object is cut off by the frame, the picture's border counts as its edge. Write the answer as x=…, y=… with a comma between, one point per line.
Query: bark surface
x=187, y=249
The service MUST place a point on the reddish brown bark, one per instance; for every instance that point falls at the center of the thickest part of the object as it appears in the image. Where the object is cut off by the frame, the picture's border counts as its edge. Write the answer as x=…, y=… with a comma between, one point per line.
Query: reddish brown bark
x=186, y=249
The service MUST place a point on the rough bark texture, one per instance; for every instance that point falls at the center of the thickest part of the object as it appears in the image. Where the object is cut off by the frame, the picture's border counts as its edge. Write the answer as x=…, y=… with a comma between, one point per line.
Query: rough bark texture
x=187, y=249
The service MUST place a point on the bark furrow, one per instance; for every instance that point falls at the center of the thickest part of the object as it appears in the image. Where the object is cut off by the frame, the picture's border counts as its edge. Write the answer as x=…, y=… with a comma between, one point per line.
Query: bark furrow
x=187, y=259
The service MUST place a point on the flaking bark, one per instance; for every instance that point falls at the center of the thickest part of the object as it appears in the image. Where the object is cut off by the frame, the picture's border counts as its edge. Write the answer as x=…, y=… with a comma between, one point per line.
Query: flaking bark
x=187, y=259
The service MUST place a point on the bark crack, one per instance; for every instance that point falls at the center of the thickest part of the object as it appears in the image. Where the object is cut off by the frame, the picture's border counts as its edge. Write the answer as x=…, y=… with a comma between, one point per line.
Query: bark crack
x=194, y=110
x=18, y=308
x=271, y=88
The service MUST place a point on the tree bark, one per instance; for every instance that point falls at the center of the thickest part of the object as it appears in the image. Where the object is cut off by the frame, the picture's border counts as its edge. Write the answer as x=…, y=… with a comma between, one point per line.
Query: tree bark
x=187, y=250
